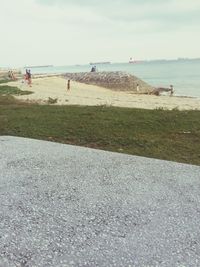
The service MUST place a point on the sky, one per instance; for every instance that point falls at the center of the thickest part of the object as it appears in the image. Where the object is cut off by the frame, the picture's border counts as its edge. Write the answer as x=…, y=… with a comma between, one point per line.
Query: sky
x=66, y=32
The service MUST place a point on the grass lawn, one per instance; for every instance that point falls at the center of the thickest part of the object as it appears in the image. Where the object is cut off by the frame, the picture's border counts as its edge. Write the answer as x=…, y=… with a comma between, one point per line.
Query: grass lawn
x=11, y=90
x=4, y=81
x=171, y=135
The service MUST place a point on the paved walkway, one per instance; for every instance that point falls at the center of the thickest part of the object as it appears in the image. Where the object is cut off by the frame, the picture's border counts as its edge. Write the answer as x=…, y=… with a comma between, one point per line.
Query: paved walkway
x=63, y=205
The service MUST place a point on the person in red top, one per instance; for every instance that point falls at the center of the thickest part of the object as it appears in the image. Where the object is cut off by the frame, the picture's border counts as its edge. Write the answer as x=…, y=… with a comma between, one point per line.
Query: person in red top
x=28, y=77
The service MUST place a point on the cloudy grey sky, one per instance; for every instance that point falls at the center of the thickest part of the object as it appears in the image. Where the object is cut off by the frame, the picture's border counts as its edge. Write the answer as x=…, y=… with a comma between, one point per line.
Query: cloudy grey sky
x=62, y=32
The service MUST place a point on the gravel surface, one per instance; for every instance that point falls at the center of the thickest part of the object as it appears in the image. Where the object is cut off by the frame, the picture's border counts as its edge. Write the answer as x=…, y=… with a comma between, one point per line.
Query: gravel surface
x=63, y=205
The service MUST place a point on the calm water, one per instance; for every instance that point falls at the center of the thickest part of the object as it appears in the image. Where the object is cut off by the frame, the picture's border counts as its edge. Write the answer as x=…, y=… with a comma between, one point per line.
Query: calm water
x=184, y=75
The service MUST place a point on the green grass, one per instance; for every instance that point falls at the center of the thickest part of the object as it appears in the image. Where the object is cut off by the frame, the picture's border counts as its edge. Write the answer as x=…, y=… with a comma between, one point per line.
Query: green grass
x=11, y=90
x=171, y=135
x=4, y=81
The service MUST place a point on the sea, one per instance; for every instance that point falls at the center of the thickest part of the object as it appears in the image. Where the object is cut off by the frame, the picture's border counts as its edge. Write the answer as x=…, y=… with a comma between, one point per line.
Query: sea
x=184, y=75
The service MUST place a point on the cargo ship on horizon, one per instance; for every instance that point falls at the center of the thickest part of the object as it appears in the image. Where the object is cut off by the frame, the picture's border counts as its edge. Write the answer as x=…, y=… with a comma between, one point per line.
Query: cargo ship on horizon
x=132, y=61
x=42, y=66
x=97, y=63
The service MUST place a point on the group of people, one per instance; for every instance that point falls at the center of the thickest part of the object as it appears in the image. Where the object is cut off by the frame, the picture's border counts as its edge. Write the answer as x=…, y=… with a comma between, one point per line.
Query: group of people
x=94, y=69
x=27, y=77
x=12, y=76
x=159, y=90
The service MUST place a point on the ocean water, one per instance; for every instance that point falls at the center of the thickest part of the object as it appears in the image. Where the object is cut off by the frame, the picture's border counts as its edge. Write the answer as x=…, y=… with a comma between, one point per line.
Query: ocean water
x=184, y=75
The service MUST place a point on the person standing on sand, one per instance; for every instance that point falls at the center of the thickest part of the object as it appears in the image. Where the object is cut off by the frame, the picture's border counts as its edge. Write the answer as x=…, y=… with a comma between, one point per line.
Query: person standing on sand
x=28, y=73
x=137, y=87
x=171, y=90
x=68, y=85
x=26, y=76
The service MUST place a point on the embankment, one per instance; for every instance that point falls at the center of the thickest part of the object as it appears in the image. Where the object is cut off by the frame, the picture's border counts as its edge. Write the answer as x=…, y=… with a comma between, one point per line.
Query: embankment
x=119, y=81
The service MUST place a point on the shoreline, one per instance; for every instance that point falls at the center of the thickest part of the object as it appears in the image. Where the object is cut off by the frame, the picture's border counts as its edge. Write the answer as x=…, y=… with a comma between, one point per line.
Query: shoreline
x=185, y=77
x=62, y=74
x=55, y=87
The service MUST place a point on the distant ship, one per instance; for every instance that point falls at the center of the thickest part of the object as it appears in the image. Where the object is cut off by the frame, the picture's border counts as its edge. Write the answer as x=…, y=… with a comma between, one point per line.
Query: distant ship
x=44, y=66
x=96, y=63
x=131, y=60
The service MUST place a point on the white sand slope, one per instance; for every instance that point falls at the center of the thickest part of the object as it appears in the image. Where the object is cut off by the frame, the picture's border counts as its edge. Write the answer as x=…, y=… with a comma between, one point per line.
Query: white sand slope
x=83, y=94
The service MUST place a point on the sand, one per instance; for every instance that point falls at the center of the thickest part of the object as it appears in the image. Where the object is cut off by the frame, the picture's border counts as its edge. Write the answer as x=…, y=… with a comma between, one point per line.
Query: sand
x=83, y=94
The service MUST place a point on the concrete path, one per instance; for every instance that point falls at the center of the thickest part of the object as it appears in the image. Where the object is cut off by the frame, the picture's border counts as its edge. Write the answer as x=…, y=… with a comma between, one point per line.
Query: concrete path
x=64, y=205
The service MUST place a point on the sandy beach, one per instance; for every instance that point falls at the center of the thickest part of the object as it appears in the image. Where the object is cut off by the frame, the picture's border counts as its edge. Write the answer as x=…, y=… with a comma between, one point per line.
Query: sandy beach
x=84, y=94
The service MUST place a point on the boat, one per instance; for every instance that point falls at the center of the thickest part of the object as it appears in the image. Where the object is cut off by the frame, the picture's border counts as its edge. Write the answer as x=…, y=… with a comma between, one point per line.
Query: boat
x=96, y=63
x=44, y=66
x=131, y=60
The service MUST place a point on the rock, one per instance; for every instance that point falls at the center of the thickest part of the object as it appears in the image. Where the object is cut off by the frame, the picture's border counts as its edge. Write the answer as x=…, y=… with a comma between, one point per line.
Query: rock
x=118, y=80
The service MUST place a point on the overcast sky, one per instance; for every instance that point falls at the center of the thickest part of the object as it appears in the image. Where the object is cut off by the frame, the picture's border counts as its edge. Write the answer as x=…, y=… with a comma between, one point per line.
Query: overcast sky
x=64, y=32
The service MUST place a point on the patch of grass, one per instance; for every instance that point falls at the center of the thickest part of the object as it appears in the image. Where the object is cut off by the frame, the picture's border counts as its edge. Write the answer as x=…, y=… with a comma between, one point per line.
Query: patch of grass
x=4, y=81
x=171, y=135
x=11, y=90
x=7, y=100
